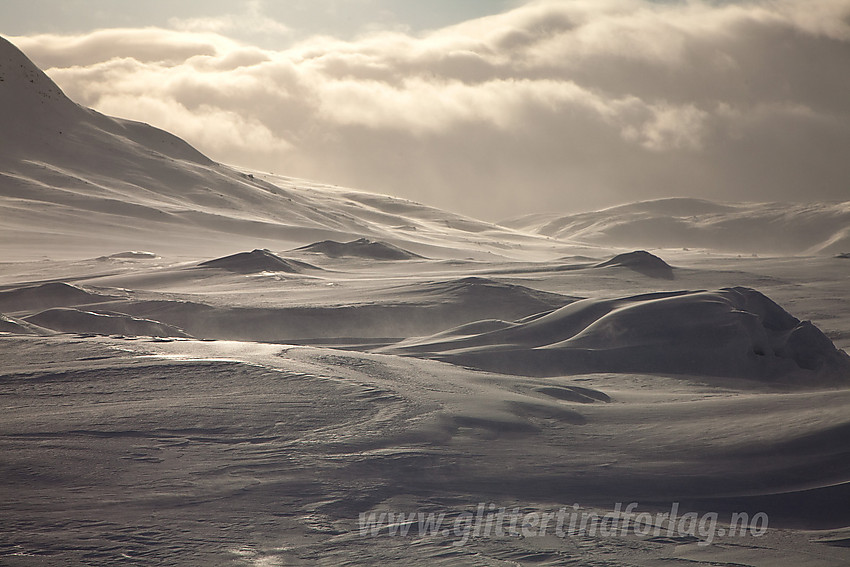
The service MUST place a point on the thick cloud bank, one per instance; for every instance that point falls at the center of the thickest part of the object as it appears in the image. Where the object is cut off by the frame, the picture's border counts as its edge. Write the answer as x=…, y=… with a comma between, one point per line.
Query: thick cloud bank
x=554, y=105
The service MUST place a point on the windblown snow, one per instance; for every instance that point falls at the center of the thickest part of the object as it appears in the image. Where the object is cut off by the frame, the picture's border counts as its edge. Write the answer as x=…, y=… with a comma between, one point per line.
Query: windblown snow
x=730, y=332
x=762, y=228
x=207, y=366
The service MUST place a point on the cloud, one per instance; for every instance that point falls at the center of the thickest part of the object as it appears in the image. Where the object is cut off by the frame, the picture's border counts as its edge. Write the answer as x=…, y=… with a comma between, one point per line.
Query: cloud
x=669, y=128
x=553, y=105
x=253, y=20
x=145, y=45
x=221, y=132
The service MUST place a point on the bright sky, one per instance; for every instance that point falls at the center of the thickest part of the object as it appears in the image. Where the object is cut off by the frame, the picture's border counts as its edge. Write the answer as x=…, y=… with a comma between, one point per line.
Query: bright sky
x=486, y=107
x=297, y=19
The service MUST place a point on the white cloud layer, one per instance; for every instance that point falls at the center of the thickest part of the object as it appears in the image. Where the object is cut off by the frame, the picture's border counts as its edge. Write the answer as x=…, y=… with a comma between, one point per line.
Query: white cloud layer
x=253, y=21
x=555, y=105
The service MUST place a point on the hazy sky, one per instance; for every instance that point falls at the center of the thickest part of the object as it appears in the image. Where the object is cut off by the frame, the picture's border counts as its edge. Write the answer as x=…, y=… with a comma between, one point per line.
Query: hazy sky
x=281, y=22
x=491, y=108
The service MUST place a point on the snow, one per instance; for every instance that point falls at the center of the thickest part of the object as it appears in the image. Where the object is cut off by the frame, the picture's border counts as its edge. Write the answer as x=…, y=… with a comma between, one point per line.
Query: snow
x=763, y=228
x=205, y=366
x=733, y=332
x=257, y=261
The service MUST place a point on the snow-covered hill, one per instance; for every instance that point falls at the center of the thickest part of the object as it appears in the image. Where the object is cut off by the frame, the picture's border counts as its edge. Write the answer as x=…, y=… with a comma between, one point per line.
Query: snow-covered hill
x=770, y=228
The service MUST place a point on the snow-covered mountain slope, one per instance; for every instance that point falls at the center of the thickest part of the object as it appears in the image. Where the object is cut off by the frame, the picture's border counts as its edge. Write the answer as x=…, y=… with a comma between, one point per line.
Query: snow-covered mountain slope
x=75, y=182
x=74, y=179
x=770, y=228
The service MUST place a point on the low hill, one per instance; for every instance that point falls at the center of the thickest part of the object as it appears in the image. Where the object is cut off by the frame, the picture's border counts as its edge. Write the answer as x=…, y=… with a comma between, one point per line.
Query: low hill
x=642, y=262
x=257, y=261
x=70, y=320
x=42, y=296
x=360, y=248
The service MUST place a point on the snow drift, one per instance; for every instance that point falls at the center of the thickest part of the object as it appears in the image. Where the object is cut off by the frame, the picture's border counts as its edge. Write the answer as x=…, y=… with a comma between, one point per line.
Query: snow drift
x=70, y=320
x=392, y=313
x=53, y=294
x=475, y=292
x=734, y=332
x=15, y=326
x=642, y=262
x=257, y=261
x=360, y=248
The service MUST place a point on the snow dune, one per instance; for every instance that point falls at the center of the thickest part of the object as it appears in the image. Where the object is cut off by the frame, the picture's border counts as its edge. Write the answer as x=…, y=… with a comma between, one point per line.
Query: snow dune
x=736, y=332
x=391, y=313
x=257, y=261
x=46, y=295
x=68, y=319
x=15, y=326
x=642, y=262
x=130, y=255
x=360, y=248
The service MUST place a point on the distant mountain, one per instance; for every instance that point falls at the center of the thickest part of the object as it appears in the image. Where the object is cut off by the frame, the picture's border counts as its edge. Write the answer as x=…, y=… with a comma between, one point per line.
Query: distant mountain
x=74, y=182
x=764, y=228
x=73, y=179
